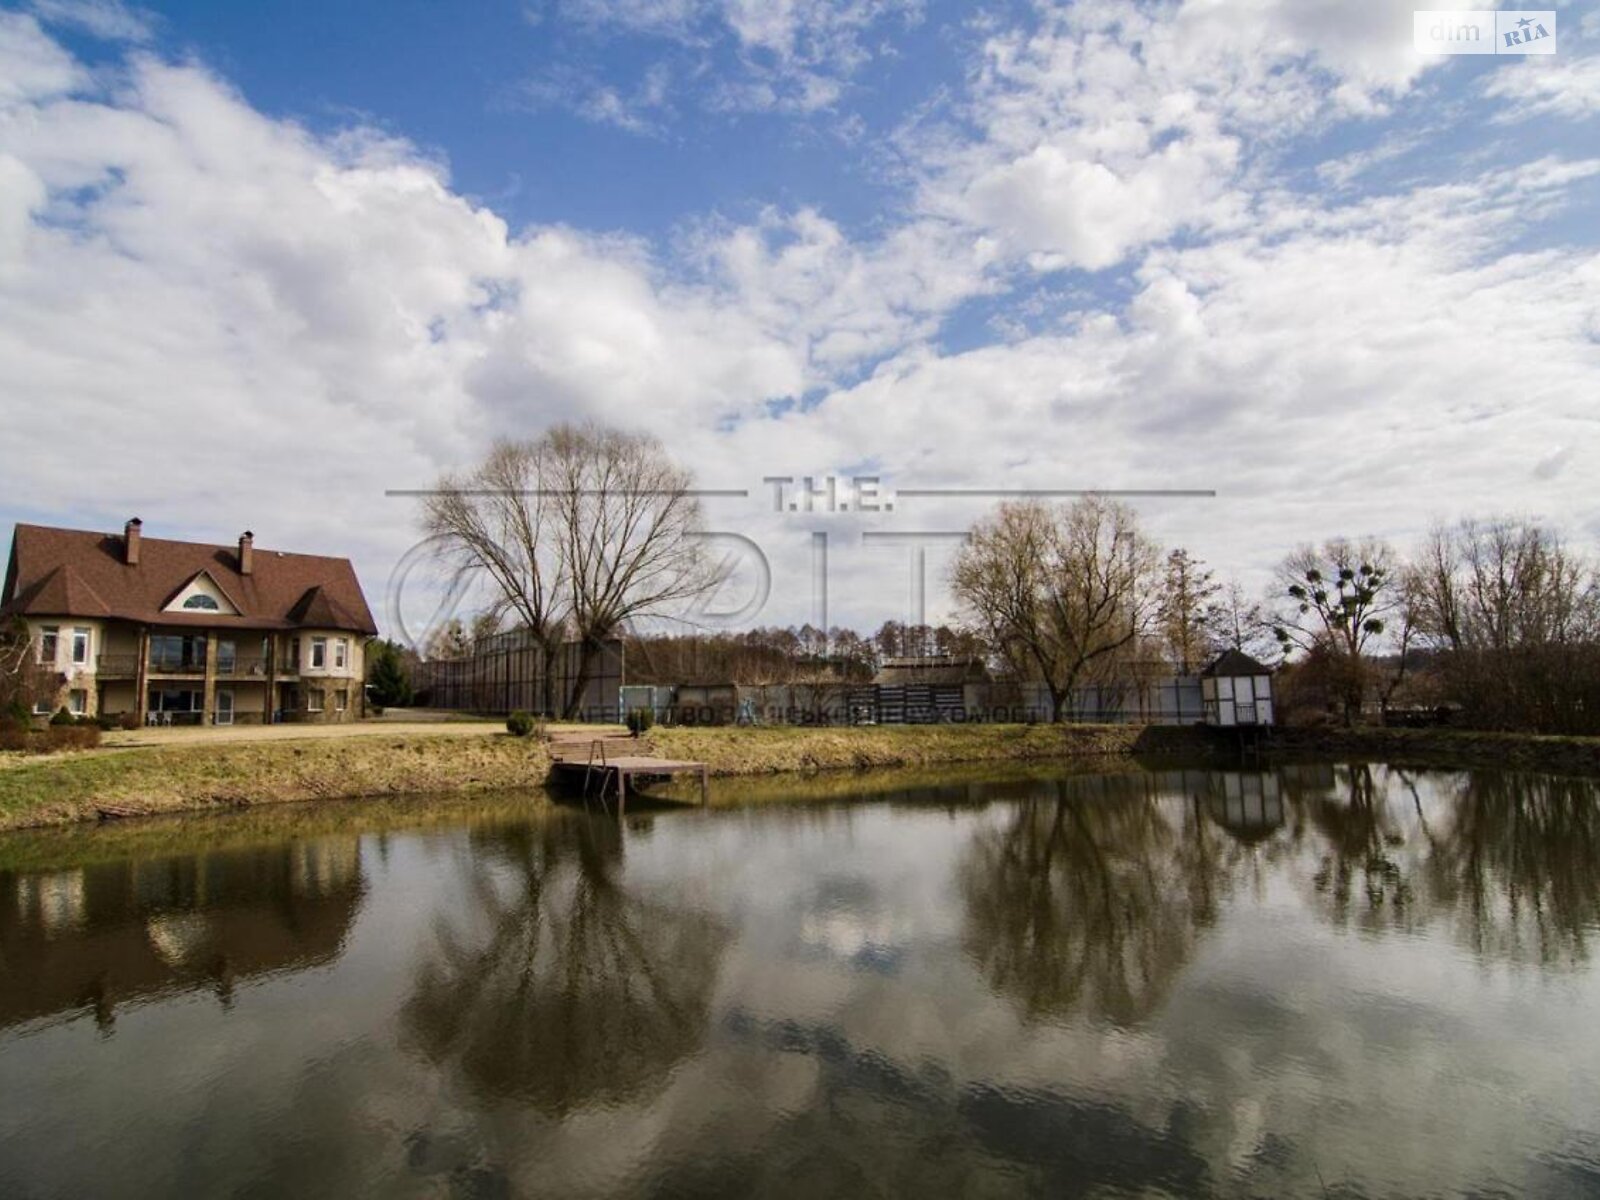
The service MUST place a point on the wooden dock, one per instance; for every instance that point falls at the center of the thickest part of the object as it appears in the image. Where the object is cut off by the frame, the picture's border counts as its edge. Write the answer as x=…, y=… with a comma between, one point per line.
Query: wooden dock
x=607, y=766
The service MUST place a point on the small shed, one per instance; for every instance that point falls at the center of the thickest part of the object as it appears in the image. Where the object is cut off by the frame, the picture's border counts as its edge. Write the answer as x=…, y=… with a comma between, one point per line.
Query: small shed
x=1236, y=690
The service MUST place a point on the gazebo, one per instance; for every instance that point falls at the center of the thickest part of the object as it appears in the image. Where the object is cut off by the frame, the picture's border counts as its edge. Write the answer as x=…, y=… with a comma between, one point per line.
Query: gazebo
x=1235, y=691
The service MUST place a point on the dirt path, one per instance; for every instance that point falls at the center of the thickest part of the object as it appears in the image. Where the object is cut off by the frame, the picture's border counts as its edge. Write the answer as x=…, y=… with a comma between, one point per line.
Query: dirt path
x=386, y=727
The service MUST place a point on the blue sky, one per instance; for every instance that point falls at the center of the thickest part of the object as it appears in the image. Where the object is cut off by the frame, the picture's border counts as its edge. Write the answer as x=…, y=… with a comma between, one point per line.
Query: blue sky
x=1263, y=248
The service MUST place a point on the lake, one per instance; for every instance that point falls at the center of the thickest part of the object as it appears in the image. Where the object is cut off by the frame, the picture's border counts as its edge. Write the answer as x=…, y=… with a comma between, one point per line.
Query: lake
x=1308, y=981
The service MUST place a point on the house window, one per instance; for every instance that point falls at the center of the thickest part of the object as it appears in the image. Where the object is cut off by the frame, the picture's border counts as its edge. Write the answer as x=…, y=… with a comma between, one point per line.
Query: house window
x=41, y=708
x=227, y=657
x=313, y=699
x=341, y=700
x=319, y=653
x=177, y=652
x=80, y=647
x=78, y=701
x=49, y=636
x=341, y=653
x=203, y=601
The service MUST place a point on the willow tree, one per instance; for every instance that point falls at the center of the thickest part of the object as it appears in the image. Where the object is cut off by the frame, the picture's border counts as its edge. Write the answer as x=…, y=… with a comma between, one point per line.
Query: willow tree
x=1060, y=593
x=577, y=533
x=632, y=535
x=497, y=521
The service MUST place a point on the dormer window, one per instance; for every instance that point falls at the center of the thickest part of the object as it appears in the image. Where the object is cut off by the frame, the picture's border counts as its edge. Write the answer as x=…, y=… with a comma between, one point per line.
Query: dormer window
x=201, y=601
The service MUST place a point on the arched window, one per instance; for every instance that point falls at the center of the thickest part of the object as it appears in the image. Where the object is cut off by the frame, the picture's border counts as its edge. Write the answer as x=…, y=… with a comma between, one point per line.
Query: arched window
x=201, y=600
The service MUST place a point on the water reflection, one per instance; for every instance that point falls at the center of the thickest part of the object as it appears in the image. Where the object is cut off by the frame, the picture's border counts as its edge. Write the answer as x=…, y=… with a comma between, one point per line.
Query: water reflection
x=1511, y=860
x=105, y=934
x=1323, y=980
x=1089, y=899
x=563, y=988
x=1087, y=896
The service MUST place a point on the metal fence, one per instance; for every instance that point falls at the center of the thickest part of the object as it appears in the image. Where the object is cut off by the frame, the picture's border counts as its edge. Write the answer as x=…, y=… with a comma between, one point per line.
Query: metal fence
x=507, y=673
x=1174, y=700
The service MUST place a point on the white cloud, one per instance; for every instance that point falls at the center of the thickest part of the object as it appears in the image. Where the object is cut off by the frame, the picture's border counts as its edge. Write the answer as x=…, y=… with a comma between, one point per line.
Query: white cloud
x=221, y=320
x=1541, y=86
x=109, y=19
x=32, y=66
x=794, y=55
x=224, y=321
x=1112, y=126
x=640, y=109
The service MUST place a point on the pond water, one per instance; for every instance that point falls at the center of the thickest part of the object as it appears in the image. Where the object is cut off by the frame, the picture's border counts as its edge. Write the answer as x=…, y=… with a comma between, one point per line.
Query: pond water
x=1310, y=981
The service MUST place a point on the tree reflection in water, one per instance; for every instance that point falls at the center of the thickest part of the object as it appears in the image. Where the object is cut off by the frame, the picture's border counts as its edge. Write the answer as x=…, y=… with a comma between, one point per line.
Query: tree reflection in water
x=1091, y=900
x=1519, y=865
x=564, y=990
x=1361, y=838
x=1513, y=860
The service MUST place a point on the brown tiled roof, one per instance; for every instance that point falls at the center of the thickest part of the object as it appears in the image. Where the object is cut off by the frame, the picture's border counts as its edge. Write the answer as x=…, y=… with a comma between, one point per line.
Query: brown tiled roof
x=73, y=573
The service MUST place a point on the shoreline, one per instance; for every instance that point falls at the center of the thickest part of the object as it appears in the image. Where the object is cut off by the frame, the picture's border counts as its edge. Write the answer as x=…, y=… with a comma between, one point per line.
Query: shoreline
x=66, y=789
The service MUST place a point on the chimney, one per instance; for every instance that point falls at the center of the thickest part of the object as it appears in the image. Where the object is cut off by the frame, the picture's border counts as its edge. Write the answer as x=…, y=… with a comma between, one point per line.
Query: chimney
x=247, y=552
x=130, y=541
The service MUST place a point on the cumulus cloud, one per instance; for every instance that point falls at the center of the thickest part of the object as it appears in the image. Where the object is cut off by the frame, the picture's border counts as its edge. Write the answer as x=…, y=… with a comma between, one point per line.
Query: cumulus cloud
x=236, y=322
x=220, y=319
x=1110, y=126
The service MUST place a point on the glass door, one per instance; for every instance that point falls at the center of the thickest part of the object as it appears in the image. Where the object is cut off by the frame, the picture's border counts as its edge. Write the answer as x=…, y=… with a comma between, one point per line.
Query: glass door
x=224, y=706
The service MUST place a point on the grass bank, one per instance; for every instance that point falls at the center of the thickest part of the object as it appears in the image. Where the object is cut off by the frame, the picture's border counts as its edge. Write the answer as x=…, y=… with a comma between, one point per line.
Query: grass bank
x=159, y=779
x=768, y=749
x=1446, y=748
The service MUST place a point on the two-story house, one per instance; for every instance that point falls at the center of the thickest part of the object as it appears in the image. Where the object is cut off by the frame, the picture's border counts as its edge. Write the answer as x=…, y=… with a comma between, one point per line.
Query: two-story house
x=183, y=633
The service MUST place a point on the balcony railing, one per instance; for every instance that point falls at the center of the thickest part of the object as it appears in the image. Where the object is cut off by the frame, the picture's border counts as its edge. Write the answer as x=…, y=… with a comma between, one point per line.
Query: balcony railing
x=243, y=667
x=239, y=667
x=176, y=666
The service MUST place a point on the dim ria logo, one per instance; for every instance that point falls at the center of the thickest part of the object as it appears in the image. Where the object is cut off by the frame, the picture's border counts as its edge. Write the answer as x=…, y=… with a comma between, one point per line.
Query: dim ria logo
x=1485, y=31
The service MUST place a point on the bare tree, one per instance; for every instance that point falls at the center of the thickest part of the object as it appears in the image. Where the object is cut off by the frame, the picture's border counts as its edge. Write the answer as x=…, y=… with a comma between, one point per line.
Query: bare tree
x=1059, y=592
x=1337, y=598
x=23, y=682
x=1188, y=609
x=1239, y=623
x=499, y=520
x=578, y=533
x=1516, y=616
x=631, y=534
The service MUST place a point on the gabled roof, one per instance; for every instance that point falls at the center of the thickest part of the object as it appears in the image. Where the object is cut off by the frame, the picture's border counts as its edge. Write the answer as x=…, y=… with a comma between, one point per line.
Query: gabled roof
x=74, y=573
x=1235, y=662
x=209, y=578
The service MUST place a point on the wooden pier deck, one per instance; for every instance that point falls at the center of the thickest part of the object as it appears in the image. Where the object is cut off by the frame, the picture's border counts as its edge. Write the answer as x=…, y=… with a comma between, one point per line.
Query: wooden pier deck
x=603, y=767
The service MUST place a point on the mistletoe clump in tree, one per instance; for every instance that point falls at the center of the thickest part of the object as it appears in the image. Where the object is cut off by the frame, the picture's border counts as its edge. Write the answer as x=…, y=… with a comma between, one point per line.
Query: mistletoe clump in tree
x=1338, y=598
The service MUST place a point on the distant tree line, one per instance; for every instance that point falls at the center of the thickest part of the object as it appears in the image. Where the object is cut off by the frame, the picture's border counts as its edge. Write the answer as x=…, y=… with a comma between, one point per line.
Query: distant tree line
x=1497, y=621
x=587, y=532
x=797, y=654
